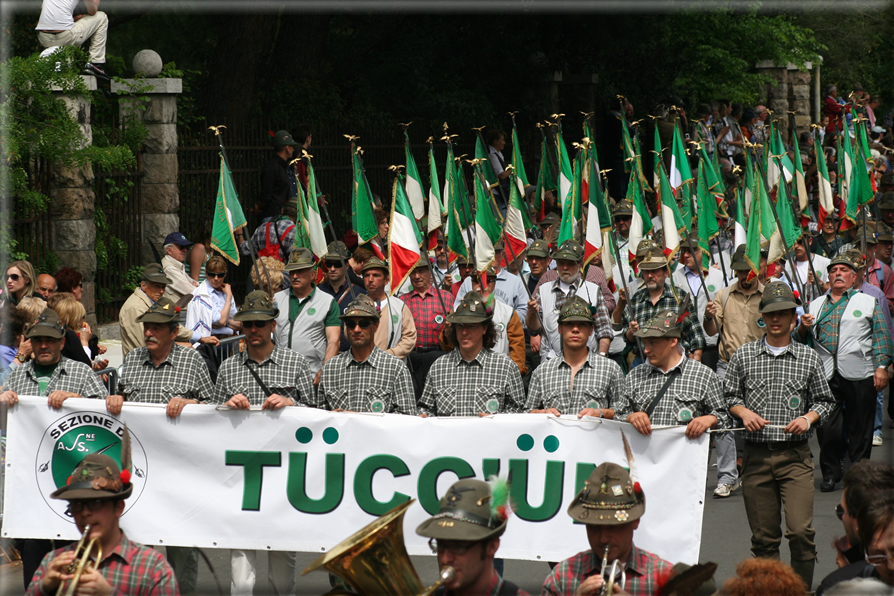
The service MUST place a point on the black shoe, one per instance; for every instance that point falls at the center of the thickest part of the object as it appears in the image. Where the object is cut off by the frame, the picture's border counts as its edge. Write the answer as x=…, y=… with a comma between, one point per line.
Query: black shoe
x=96, y=71
x=827, y=485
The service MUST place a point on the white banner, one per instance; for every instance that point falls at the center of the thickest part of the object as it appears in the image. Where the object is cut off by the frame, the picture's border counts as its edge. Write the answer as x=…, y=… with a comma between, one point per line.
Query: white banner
x=301, y=479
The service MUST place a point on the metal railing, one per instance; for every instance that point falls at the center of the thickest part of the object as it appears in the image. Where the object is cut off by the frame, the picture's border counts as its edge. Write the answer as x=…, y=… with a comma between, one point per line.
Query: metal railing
x=230, y=345
x=109, y=377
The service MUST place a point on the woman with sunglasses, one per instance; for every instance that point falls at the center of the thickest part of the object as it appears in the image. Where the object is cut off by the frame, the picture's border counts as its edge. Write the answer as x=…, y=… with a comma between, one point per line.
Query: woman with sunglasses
x=19, y=281
x=212, y=307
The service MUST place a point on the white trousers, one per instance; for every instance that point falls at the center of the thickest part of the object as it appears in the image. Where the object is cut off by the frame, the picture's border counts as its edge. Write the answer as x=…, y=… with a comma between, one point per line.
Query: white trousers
x=96, y=25
x=280, y=572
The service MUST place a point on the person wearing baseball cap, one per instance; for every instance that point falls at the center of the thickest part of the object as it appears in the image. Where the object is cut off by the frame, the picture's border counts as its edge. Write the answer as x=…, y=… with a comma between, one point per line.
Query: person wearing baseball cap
x=364, y=378
x=472, y=379
x=671, y=389
x=277, y=182
x=610, y=505
x=176, y=245
x=778, y=389
x=848, y=333
x=465, y=536
x=578, y=381
x=95, y=492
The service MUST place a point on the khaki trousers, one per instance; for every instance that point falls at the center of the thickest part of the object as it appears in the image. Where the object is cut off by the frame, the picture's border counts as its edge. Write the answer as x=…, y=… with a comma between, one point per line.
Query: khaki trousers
x=771, y=480
x=96, y=25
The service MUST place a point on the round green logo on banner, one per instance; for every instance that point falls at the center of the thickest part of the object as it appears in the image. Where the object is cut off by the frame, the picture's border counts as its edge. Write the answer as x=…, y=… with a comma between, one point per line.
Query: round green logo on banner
x=794, y=402
x=493, y=406
x=311, y=311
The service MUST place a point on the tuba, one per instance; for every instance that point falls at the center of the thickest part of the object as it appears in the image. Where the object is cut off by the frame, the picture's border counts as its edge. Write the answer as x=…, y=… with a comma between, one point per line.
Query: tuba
x=375, y=561
x=85, y=554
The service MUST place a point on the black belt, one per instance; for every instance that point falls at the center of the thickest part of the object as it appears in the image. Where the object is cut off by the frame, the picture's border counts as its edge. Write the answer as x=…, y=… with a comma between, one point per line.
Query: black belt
x=776, y=445
x=424, y=350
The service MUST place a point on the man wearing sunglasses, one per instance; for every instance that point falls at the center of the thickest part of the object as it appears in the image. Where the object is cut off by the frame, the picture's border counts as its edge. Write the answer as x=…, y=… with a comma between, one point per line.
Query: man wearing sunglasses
x=465, y=535
x=95, y=492
x=337, y=283
x=365, y=379
x=272, y=377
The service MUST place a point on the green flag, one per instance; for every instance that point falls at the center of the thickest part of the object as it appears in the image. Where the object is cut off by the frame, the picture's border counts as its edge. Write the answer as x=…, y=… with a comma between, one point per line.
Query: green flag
x=545, y=182
x=456, y=243
x=708, y=228
x=517, y=164
x=571, y=208
x=362, y=216
x=789, y=229
x=486, y=167
x=228, y=216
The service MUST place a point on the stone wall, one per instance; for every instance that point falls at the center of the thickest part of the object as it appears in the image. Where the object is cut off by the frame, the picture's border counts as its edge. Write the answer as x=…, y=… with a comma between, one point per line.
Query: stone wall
x=791, y=91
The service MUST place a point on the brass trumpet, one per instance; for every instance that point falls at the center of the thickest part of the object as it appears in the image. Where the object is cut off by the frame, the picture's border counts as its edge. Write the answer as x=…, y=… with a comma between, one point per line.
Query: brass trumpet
x=84, y=556
x=615, y=571
x=375, y=561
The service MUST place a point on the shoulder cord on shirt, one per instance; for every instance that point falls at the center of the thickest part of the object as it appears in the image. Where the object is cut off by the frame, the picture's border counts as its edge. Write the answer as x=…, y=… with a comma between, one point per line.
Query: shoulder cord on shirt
x=264, y=388
x=671, y=377
x=292, y=321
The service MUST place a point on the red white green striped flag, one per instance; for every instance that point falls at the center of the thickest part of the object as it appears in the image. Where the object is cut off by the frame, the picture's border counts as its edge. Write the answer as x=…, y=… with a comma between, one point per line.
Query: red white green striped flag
x=598, y=216
x=824, y=187
x=566, y=174
x=521, y=178
x=228, y=216
x=414, y=182
x=571, y=208
x=741, y=225
x=313, y=221
x=404, y=238
x=517, y=220
x=671, y=220
x=641, y=222
x=436, y=210
x=487, y=228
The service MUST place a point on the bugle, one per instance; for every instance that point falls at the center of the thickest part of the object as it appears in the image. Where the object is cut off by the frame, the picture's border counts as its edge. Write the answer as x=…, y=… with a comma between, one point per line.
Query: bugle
x=84, y=555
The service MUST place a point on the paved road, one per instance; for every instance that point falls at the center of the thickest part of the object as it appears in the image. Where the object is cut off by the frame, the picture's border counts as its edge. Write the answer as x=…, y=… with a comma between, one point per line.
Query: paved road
x=725, y=540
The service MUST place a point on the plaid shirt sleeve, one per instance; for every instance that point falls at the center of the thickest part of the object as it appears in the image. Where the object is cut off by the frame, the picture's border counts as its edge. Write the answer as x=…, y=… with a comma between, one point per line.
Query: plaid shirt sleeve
x=602, y=323
x=597, y=276
x=71, y=376
x=881, y=340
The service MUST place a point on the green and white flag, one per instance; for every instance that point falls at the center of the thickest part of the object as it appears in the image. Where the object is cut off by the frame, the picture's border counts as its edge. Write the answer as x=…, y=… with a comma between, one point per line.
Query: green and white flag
x=436, y=210
x=313, y=221
x=566, y=174
x=413, y=182
x=487, y=228
x=228, y=216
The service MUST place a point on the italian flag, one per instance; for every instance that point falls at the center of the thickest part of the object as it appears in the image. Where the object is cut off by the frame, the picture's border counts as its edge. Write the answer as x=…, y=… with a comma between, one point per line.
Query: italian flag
x=788, y=230
x=456, y=243
x=641, y=222
x=228, y=216
x=545, y=181
x=362, y=217
x=824, y=191
x=436, y=211
x=487, y=229
x=739, y=235
x=404, y=238
x=671, y=221
x=481, y=152
x=571, y=208
x=517, y=221
x=313, y=221
x=521, y=178
x=566, y=175
x=680, y=172
x=800, y=186
x=414, y=182
x=598, y=217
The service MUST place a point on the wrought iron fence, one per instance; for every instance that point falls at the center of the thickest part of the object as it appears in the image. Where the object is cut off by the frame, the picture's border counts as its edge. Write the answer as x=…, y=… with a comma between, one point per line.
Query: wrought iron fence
x=31, y=228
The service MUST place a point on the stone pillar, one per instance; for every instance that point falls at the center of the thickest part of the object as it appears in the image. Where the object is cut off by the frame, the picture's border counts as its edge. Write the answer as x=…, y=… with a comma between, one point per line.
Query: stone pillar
x=72, y=203
x=160, y=196
x=788, y=92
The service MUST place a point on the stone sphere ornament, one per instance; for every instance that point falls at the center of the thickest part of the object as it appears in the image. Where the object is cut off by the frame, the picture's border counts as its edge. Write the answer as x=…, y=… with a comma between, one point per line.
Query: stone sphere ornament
x=147, y=62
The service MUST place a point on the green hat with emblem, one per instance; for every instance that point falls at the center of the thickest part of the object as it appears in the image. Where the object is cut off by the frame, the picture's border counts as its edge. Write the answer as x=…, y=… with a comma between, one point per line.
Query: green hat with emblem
x=778, y=296
x=470, y=310
x=645, y=245
x=466, y=513
x=856, y=256
x=362, y=307
x=871, y=237
x=539, y=248
x=336, y=251
x=163, y=311
x=570, y=250
x=422, y=262
x=283, y=138
x=664, y=324
x=739, y=262
x=550, y=219
x=48, y=324
x=624, y=207
x=499, y=245
x=153, y=272
x=653, y=259
x=576, y=309
x=259, y=306
x=97, y=476
x=883, y=232
x=843, y=259
x=375, y=263
x=886, y=201
x=301, y=258
x=609, y=498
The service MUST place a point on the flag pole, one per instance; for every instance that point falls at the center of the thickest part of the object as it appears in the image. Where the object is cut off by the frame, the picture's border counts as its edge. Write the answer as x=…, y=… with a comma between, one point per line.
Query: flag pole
x=469, y=246
x=223, y=153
